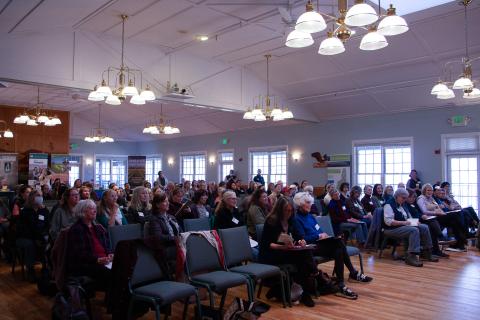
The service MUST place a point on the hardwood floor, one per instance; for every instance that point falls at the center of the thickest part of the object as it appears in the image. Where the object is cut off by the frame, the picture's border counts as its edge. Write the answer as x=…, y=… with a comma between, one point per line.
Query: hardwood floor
x=449, y=289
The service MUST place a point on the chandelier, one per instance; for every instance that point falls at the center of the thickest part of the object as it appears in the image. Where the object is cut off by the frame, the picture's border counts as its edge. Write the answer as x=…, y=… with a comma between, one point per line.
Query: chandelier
x=162, y=127
x=37, y=115
x=360, y=15
x=264, y=110
x=99, y=134
x=443, y=89
x=125, y=79
x=7, y=133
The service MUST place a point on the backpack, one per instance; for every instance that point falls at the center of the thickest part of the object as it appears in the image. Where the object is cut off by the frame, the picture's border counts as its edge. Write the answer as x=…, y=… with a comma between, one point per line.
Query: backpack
x=240, y=310
x=69, y=305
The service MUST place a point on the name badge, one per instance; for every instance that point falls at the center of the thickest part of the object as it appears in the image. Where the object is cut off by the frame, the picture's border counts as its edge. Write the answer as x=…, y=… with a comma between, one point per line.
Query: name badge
x=344, y=208
x=140, y=214
x=371, y=203
x=41, y=218
x=412, y=205
x=235, y=220
x=356, y=205
x=317, y=227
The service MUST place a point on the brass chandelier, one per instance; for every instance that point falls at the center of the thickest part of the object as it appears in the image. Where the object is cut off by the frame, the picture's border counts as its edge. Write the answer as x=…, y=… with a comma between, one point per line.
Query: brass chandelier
x=37, y=115
x=161, y=127
x=99, y=134
x=124, y=82
x=360, y=15
x=264, y=109
x=443, y=88
x=6, y=133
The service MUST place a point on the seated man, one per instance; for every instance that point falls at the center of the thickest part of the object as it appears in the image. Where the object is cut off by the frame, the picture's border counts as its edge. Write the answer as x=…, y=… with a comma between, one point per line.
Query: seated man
x=307, y=229
x=396, y=225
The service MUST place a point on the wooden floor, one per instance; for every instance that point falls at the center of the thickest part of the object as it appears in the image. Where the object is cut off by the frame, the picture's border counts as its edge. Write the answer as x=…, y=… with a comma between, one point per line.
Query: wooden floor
x=449, y=289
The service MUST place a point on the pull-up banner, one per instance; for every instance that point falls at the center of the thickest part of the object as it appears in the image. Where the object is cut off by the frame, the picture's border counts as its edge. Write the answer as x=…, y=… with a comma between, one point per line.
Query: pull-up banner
x=8, y=171
x=136, y=170
x=37, y=168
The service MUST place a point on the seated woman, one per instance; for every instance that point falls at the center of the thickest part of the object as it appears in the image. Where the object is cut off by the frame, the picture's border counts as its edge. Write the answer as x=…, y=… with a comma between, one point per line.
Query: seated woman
x=140, y=206
x=84, y=192
x=180, y=210
x=354, y=206
x=315, y=210
x=429, y=207
x=226, y=213
x=257, y=211
x=88, y=246
x=274, y=249
x=19, y=200
x=388, y=193
x=163, y=226
x=276, y=193
x=396, y=225
x=367, y=202
x=344, y=191
x=377, y=195
x=32, y=231
x=63, y=216
x=433, y=225
x=307, y=229
x=343, y=221
x=470, y=213
x=109, y=213
x=200, y=208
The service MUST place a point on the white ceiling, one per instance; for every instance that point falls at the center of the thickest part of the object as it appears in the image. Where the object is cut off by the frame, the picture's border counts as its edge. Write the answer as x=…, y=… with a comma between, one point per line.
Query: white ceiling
x=355, y=83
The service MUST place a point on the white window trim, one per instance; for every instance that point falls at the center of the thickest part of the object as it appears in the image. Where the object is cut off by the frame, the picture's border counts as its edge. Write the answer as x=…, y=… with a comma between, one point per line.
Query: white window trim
x=109, y=157
x=154, y=155
x=381, y=141
x=219, y=168
x=190, y=153
x=268, y=149
x=443, y=149
x=82, y=171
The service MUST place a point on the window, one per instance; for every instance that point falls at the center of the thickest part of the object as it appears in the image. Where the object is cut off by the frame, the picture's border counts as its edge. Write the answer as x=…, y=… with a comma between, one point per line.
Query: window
x=385, y=162
x=110, y=170
x=192, y=166
x=225, y=164
x=272, y=162
x=461, y=155
x=152, y=166
x=75, y=163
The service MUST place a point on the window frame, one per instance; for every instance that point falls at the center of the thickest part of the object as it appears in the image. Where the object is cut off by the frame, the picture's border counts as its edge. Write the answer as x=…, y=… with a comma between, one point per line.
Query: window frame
x=220, y=163
x=191, y=153
x=269, y=150
x=81, y=172
x=383, y=143
x=109, y=157
x=155, y=171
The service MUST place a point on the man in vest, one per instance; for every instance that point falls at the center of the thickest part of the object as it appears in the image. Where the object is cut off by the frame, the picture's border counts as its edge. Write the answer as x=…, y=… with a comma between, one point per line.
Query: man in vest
x=397, y=225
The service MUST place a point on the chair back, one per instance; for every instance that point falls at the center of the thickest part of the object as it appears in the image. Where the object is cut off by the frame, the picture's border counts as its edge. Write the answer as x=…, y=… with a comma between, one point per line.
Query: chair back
x=259, y=232
x=146, y=269
x=124, y=232
x=326, y=224
x=201, y=255
x=236, y=245
x=200, y=224
x=146, y=228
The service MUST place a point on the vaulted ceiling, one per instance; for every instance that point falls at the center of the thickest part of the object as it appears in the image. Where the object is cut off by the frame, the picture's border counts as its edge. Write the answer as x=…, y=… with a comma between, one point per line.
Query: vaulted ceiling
x=64, y=45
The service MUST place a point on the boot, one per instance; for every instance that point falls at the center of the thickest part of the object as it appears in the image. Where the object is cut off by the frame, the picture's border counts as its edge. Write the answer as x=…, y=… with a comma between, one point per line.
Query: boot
x=427, y=255
x=412, y=260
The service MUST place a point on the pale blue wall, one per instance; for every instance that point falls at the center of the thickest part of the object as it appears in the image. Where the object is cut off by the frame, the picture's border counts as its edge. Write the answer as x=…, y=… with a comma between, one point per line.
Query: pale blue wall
x=331, y=137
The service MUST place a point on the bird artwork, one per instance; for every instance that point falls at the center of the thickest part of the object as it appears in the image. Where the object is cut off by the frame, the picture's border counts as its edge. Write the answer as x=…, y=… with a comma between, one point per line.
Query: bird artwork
x=321, y=160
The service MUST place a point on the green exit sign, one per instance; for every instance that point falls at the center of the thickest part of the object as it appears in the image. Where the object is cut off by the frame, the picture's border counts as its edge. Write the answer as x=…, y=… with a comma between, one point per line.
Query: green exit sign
x=459, y=121
x=225, y=141
x=73, y=146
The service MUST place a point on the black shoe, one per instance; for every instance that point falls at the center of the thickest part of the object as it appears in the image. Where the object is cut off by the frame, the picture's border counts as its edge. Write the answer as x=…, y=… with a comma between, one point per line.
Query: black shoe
x=359, y=277
x=307, y=300
x=440, y=254
x=346, y=293
x=412, y=260
x=428, y=256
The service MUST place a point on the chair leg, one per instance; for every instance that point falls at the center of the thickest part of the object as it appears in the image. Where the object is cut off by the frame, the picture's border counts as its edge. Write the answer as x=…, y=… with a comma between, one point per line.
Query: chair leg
x=210, y=294
x=284, y=299
x=360, y=260
x=185, y=308
x=130, y=308
x=157, y=312
x=260, y=290
x=199, y=306
x=222, y=303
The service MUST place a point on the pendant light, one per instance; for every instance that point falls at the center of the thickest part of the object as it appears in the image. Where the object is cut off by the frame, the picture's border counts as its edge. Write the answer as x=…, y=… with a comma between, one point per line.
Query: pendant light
x=361, y=14
x=373, y=41
x=392, y=24
x=331, y=46
x=439, y=87
x=310, y=21
x=444, y=95
x=299, y=39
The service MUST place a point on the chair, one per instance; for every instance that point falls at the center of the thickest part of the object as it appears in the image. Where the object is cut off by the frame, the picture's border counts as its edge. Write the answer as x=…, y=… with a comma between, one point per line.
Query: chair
x=326, y=224
x=200, y=224
x=146, y=226
x=237, y=250
x=124, y=232
x=204, y=269
x=147, y=284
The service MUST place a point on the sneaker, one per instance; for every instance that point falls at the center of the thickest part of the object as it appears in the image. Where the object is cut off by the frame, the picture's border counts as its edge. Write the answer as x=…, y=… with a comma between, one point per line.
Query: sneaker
x=346, y=293
x=359, y=277
x=307, y=300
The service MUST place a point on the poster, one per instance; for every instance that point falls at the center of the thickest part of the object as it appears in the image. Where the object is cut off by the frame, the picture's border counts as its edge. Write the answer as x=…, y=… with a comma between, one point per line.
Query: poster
x=339, y=169
x=136, y=170
x=60, y=166
x=8, y=171
x=38, y=172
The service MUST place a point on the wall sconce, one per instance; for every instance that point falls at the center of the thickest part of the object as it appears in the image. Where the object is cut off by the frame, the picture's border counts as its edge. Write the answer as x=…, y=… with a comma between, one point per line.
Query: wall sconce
x=211, y=160
x=296, y=156
x=88, y=161
x=170, y=161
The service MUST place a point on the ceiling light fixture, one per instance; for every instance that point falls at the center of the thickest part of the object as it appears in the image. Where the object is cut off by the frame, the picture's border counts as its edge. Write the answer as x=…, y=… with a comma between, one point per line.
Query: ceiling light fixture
x=264, y=110
x=443, y=88
x=162, y=127
x=125, y=81
x=99, y=134
x=202, y=37
x=37, y=115
x=360, y=15
x=6, y=133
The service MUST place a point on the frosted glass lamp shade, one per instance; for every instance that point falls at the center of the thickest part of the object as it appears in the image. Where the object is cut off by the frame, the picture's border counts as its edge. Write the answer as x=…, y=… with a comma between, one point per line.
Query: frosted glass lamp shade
x=137, y=99
x=373, y=41
x=392, y=26
x=310, y=22
x=462, y=83
x=299, y=39
x=439, y=87
x=112, y=100
x=361, y=14
x=331, y=46
x=449, y=94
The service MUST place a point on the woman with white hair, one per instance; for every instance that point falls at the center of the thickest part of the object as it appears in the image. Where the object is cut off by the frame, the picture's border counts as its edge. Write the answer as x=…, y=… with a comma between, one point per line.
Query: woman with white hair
x=306, y=228
x=88, y=246
x=309, y=189
x=226, y=214
x=397, y=225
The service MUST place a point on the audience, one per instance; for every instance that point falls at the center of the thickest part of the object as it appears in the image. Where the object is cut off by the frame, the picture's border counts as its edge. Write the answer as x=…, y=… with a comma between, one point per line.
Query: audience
x=140, y=207
x=257, y=211
x=344, y=191
x=63, y=216
x=354, y=206
x=414, y=184
x=226, y=213
x=377, y=196
x=200, y=208
x=388, y=193
x=109, y=213
x=367, y=202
